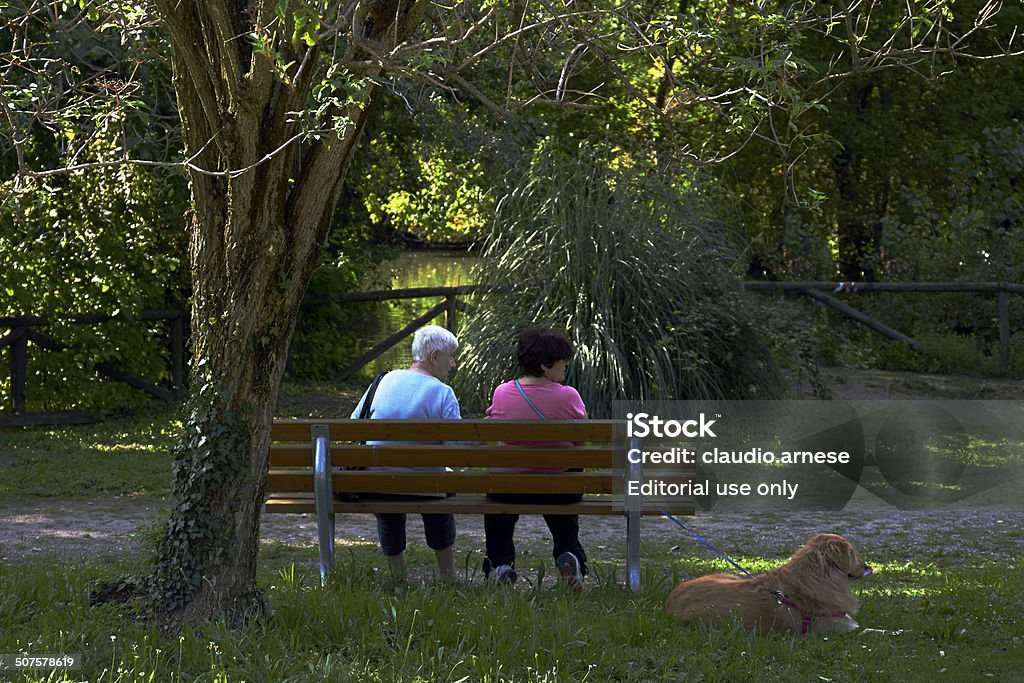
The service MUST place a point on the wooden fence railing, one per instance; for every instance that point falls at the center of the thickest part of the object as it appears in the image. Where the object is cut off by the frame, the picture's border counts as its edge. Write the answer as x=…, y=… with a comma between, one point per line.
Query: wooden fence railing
x=1002, y=290
x=22, y=329
x=449, y=306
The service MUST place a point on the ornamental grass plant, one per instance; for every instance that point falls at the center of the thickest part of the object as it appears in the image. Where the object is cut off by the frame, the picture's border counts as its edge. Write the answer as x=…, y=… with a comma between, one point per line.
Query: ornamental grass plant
x=628, y=263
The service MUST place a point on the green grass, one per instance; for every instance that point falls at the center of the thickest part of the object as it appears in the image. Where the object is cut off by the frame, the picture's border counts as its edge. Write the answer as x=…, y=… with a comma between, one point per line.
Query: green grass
x=129, y=456
x=949, y=624
x=123, y=456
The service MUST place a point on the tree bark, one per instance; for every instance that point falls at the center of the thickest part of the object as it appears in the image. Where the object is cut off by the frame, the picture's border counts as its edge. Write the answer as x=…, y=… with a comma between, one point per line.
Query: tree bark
x=262, y=209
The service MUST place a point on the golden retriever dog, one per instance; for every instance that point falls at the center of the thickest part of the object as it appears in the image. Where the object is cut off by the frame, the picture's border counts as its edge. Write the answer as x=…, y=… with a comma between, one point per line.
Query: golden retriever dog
x=809, y=594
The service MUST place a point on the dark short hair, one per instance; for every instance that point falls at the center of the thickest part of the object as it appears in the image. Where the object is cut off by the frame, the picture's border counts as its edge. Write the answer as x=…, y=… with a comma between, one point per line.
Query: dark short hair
x=539, y=346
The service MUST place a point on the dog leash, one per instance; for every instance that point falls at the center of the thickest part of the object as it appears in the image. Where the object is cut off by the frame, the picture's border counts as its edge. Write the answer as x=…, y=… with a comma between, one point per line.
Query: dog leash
x=695, y=535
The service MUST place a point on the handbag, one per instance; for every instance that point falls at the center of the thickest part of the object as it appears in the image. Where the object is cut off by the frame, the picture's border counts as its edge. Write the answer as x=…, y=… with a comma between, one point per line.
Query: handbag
x=364, y=414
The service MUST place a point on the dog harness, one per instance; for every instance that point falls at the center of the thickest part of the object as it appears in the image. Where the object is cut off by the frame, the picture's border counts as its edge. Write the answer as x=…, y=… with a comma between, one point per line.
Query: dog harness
x=809, y=617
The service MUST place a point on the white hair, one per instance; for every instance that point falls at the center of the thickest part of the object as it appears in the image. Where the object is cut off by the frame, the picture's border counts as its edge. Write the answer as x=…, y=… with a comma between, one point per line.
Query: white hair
x=432, y=338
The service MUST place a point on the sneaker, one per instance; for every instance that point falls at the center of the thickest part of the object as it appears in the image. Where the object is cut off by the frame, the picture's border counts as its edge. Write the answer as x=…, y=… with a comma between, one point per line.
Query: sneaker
x=504, y=574
x=569, y=569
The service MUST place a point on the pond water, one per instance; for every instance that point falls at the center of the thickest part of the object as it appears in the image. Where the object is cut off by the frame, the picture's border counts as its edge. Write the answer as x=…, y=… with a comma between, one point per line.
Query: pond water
x=410, y=269
x=429, y=269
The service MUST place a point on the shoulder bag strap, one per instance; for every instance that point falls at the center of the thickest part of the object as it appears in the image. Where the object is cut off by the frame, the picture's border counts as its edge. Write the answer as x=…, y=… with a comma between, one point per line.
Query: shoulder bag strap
x=527, y=398
x=368, y=401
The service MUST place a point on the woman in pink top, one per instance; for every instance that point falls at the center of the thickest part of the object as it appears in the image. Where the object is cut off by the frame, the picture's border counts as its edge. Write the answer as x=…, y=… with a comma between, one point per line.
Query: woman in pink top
x=543, y=356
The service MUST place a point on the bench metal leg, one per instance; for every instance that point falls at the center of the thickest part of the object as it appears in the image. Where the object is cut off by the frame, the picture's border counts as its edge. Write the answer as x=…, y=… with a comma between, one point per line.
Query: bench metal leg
x=633, y=550
x=633, y=505
x=323, y=496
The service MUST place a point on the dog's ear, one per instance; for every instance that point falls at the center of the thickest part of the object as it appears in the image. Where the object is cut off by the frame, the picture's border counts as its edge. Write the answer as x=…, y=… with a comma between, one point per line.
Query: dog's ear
x=835, y=552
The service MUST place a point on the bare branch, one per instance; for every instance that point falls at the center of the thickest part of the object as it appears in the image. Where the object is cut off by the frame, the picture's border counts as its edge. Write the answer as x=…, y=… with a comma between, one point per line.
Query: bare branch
x=560, y=91
x=476, y=92
x=513, y=35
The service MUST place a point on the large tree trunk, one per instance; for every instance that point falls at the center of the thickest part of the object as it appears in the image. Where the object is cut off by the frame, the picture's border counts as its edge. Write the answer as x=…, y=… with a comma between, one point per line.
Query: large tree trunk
x=262, y=208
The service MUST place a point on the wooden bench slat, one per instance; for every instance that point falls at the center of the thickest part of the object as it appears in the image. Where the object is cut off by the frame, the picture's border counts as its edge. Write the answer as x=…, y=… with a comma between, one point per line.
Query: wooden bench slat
x=450, y=455
x=448, y=430
x=292, y=455
x=283, y=481
x=465, y=505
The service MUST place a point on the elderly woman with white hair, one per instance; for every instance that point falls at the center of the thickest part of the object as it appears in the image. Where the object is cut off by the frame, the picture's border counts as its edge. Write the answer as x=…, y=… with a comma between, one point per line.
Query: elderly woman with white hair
x=418, y=392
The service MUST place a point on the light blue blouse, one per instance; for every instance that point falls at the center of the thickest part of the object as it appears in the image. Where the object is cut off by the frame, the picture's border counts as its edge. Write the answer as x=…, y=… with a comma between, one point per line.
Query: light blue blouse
x=409, y=395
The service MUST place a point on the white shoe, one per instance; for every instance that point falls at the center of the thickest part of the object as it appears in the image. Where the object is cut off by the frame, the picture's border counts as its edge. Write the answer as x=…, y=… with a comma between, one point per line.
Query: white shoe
x=504, y=574
x=569, y=569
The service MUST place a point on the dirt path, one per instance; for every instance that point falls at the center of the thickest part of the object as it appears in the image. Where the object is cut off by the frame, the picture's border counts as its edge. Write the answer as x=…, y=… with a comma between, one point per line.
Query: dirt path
x=72, y=530
x=85, y=528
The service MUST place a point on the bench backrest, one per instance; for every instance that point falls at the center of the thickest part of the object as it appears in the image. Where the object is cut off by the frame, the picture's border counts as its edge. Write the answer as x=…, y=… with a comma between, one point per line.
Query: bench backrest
x=291, y=461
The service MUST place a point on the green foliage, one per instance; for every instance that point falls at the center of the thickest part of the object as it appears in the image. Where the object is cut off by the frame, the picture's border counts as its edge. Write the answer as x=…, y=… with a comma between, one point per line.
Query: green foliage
x=450, y=207
x=77, y=73
x=798, y=336
x=971, y=230
x=325, y=334
x=947, y=354
x=905, y=173
x=609, y=249
x=834, y=154
x=93, y=241
x=425, y=188
x=87, y=89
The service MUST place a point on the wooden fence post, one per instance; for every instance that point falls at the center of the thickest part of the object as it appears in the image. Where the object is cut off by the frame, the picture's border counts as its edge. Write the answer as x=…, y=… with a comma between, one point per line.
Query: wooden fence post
x=1004, y=329
x=19, y=367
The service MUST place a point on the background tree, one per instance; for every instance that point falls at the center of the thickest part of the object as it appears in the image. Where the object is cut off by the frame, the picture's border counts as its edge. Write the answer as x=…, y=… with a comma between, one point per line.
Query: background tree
x=862, y=115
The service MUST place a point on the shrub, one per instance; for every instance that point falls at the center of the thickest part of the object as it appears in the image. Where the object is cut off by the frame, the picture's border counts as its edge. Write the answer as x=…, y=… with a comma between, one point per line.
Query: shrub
x=799, y=337
x=946, y=354
x=93, y=241
x=1017, y=355
x=617, y=255
x=325, y=336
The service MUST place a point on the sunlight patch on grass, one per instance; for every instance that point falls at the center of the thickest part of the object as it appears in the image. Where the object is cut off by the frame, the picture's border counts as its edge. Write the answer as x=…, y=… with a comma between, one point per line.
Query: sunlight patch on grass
x=124, y=456
x=350, y=542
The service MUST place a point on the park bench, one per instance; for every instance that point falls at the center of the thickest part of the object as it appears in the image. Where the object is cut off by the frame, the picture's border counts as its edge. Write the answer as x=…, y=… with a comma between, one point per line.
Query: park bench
x=304, y=455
